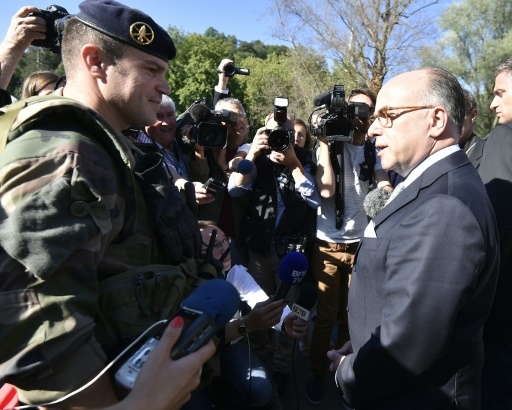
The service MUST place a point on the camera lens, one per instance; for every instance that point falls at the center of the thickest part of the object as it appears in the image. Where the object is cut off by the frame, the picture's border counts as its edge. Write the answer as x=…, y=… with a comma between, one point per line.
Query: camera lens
x=229, y=69
x=278, y=139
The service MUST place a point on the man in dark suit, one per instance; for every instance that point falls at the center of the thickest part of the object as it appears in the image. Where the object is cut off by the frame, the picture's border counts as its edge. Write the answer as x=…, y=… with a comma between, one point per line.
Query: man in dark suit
x=426, y=268
x=471, y=143
x=496, y=173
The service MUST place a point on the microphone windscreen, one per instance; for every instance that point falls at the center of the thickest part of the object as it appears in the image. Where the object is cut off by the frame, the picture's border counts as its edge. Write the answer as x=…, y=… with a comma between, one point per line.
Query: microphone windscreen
x=375, y=201
x=245, y=166
x=321, y=99
x=308, y=295
x=292, y=268
x=217, y=298
x=200, y=112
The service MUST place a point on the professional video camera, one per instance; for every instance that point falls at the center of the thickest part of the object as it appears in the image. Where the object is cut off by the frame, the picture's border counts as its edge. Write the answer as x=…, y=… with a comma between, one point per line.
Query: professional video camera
x=55, y=17
x=280, y=138
x=208, y=129
x=335, y=124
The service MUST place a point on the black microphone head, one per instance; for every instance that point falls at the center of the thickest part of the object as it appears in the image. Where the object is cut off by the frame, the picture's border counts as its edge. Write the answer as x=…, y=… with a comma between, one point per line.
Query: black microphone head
x=321, y=99
x=308, y=295
x=217, y=298
x=375, y=201
x=200, y=112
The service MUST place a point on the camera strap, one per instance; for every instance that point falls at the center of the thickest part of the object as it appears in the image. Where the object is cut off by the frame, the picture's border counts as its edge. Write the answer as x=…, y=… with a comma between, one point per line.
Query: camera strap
x=336, y=151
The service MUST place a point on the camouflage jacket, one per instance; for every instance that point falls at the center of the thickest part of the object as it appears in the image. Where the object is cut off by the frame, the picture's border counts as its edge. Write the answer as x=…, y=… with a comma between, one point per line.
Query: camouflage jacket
x=70, y=215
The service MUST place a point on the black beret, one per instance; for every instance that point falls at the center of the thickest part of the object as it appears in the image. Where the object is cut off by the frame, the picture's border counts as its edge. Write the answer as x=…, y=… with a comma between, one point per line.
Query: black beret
x=128, y=25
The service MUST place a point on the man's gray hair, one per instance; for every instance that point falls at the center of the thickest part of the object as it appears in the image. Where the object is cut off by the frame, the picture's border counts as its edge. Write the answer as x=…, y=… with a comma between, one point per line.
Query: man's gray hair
x=226, y=102
x=504, y=67
x=444, y=90
x=167, y=102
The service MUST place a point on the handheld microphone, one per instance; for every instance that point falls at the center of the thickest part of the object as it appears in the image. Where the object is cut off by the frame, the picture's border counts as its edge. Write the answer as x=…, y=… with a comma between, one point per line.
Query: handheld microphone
x=205, y=311
x=306, y=301
x=245, y=166
x=291, y=271
x=322, y=99
x=375, y=201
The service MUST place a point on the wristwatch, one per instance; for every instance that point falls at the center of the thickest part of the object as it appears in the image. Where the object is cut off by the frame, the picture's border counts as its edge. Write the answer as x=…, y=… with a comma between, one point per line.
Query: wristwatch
x=241, y=326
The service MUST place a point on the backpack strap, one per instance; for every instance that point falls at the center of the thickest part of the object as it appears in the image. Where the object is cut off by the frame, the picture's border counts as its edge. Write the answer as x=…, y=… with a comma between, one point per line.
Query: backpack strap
x=8, y=115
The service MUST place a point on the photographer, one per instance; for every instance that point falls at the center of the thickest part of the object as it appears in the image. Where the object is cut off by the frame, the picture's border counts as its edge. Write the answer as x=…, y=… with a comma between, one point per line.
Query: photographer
x=333, y=251
x=163, y=136
x=280, y=217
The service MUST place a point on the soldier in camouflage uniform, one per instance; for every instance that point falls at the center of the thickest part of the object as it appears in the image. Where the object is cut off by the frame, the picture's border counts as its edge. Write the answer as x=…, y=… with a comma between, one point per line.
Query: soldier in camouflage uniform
x=76, y=208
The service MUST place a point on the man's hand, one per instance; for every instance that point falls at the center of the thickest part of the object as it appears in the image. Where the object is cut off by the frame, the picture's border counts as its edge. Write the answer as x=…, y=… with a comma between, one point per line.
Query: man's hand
x=295, y=326
x=259, y=144
x=202, y=194
x=337, y=356
x=286, y=157
x=264, y=315
x=25, y=28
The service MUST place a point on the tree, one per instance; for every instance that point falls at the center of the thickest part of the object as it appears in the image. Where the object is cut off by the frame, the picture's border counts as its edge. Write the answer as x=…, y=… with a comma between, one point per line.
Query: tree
x=477, y=36
x=367, y=39
x=34, y=59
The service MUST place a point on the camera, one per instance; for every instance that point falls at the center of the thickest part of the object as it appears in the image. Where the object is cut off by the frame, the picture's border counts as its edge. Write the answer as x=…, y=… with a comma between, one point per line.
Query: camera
x=230, y=70
x=280, y=138
x=208, y=128
x=55, y=17
x=336, y=123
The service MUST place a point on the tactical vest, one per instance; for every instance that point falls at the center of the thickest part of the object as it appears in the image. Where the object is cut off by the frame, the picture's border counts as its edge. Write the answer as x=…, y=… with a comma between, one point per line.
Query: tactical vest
x=132, y=300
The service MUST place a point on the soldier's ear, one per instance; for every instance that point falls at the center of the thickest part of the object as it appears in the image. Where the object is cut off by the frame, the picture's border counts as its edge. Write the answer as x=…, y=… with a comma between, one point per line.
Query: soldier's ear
x=94, y=61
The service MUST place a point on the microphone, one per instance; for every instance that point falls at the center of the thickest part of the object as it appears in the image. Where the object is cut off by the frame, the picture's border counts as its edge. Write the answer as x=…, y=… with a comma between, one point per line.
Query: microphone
x=375, y=201
x=205, y=311
x=245, y=166
x=322, y=99
x=200, y=113
x=291, y=271
x=306, y=301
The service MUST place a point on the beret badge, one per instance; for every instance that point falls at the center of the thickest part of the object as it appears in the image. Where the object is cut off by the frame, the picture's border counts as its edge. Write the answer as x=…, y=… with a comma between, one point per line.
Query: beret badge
x=141, y=33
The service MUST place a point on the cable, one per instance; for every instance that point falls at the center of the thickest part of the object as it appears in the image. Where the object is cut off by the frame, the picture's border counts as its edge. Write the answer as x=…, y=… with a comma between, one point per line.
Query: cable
x=90, y=383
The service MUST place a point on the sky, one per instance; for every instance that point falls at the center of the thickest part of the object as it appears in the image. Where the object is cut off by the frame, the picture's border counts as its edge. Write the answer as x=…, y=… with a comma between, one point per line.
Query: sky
x=244, y=19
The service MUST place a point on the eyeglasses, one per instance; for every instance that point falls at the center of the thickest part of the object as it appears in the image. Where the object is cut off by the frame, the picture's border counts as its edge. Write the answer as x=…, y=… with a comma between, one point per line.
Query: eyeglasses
x=219, y=244
x=386, y=118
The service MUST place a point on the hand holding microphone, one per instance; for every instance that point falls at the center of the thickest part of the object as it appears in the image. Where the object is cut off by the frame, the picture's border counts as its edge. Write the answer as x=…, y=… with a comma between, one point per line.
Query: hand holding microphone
x=296, y=324
x=291, y=271
x=207, y=310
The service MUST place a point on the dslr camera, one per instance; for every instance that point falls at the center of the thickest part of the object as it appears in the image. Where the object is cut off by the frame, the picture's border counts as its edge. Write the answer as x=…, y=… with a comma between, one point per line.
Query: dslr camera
x=335, y=124
x=280, y=138
x=55, y=17
x=208, y=128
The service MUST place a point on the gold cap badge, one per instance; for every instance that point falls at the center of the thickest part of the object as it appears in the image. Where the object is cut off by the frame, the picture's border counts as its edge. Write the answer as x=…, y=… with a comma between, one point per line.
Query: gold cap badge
x=141, y=33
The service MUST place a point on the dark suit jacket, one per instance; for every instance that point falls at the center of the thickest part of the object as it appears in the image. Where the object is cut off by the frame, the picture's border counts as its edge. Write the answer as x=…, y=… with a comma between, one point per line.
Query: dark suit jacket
x=420, y=294
x=474, y=149
x=496, y=173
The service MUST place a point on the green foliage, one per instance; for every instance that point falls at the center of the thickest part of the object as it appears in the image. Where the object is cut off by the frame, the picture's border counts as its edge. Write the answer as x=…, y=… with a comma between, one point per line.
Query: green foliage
x=477, y=35
x=34, y=59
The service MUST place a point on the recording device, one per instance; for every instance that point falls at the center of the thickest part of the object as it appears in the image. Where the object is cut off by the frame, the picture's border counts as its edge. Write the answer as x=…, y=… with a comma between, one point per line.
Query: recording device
x=207, y=310
x=280, y=138
x=213, y=185
x=335, y=124
x=291, y=271
x=245, y=167
x=306, y=301
x=375, y=201
x=230, y=70
x=55, y=17
x=208, y=129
